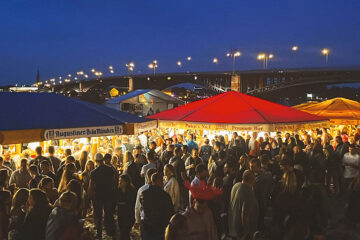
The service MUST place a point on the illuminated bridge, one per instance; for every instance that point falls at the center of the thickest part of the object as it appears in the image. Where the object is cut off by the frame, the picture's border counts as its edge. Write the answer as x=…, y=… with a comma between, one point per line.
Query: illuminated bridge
x=274, y=84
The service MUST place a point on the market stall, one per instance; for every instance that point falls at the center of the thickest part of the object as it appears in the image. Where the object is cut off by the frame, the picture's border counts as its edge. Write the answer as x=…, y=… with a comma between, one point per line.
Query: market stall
x=34, y=117
x=340, y=111
x=234, y=111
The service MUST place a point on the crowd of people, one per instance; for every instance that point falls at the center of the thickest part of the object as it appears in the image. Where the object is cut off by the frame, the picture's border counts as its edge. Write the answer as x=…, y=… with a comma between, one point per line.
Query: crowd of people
x=245, y=187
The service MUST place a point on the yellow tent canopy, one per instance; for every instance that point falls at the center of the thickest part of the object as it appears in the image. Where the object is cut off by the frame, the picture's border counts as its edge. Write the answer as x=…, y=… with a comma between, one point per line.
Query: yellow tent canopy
x=306, y=104
x=340, y=111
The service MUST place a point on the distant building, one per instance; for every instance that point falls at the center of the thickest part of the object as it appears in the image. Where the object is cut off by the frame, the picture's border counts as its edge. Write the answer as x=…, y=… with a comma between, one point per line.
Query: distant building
x=144, y=102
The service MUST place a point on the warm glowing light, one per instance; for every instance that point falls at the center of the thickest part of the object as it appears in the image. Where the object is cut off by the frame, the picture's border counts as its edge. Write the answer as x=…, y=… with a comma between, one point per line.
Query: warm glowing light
x=295, y=48
x=75, y=78
x=179, y=63
x=69, y=75
x=271, y=56
x=111, y=71
x=93, y=70
x=86, y=76
x=325, y=51
x=237, y=54
x=228, y=54
x=215, y=60
x=80, y=73
x=261, y=56
x=188, y=58
x=111, y=67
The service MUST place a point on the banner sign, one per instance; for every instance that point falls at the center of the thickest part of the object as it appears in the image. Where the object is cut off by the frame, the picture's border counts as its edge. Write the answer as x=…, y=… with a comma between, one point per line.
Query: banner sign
x=243, y=127
x=145, y=126
x=52, y=134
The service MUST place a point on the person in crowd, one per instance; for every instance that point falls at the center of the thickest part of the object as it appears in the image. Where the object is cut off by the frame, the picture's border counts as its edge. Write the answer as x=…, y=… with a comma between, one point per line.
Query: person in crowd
x=102, y=191
x=138, y=207
x=126, y=197
x=180, y=175
x=317, y=163
x=157, y=209
x=217, y=166
x=2, y=166
x=45, y=170
x=262, y=188
x=244, y=209
x=118, y=154
x=353, y=211
x=107, y=162
x=191, y=143
x=47, y=185
x=35, y=221
x=133, y=169
x=228, y=182
x=205, y=151
x=185, y=153
x=8, y=161
x=39, y=157
x=254, y=145
x=21, y=177
x=55, y=162
x=141, y=156
x=351, y=163
x=83, y=159
x=35, y=176
x=177, y=228
x=85, y=175
x=201, y=175
x=18, y=213
x=67, y=176
x=172, y=186
x=152, y=163
x=167, y=154
x=5, y=204
x=199, y=217
x=76, y=187
x=192, y=162
x=63, y=222
x=68, y=159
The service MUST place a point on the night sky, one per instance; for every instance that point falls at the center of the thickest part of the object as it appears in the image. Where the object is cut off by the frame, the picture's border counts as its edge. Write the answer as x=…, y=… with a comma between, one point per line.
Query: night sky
x=64, y=36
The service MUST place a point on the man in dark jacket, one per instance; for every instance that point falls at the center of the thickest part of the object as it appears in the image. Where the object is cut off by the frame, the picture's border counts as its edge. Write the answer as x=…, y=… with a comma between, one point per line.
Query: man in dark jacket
x=157, y=209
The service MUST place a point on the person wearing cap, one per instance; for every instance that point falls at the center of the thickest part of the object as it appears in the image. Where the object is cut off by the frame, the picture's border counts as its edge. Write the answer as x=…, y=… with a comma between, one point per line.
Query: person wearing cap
x=351, y=163
x=244, y=209
x=102, y=191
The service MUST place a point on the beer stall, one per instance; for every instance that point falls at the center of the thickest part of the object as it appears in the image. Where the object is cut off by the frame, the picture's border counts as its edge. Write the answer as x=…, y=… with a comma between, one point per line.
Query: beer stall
x=40, y=119
x=236, y=112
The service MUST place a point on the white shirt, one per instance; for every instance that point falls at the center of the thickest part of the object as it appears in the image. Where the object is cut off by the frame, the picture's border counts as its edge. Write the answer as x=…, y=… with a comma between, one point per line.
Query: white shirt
x=139, y=213
x=350, y=171
x=173, y=189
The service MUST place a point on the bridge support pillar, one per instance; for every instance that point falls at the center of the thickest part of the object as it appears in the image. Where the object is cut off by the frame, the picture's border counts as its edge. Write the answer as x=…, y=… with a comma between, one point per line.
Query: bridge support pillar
x=131, y=84
x=261, y=83
x=236, y=84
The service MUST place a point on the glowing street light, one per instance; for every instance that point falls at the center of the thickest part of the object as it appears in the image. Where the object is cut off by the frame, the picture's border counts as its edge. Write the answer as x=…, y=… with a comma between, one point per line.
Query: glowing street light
x=130, y=67
x=98, y=74
x=93, y=70
x=179, y=63
x=294, y=48
x=111, y=67
x=215, y=60
x=69, y=75
x=153, y=65
x=80, y=73
x=325, y=52
x=189, y=58
x=86, y=76
x=233, y=55
x=67, y=80
x=265, y=57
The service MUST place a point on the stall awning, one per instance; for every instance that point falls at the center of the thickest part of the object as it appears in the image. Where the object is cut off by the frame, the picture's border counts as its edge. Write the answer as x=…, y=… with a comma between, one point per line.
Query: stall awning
x=340, y=111
x=30, y=117
x=236, y=111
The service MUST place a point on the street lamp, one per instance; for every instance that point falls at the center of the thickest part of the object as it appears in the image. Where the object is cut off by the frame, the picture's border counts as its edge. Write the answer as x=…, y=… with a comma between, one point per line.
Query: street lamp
x=179, y=63
x=215, y=60
x=130, y=67
x=294, y=48
x=265, y=57
x=93, y=70
x=189, y=58
x=153, y=65
x=233, y=55
x=325, y=52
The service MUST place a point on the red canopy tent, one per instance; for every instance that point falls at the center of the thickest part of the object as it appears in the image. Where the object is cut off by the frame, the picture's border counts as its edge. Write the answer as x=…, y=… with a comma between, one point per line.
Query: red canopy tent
x=235, y=111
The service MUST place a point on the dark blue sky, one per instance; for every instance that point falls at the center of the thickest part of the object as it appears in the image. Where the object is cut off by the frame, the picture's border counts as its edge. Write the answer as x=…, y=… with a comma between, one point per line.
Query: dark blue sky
x=64, y=36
